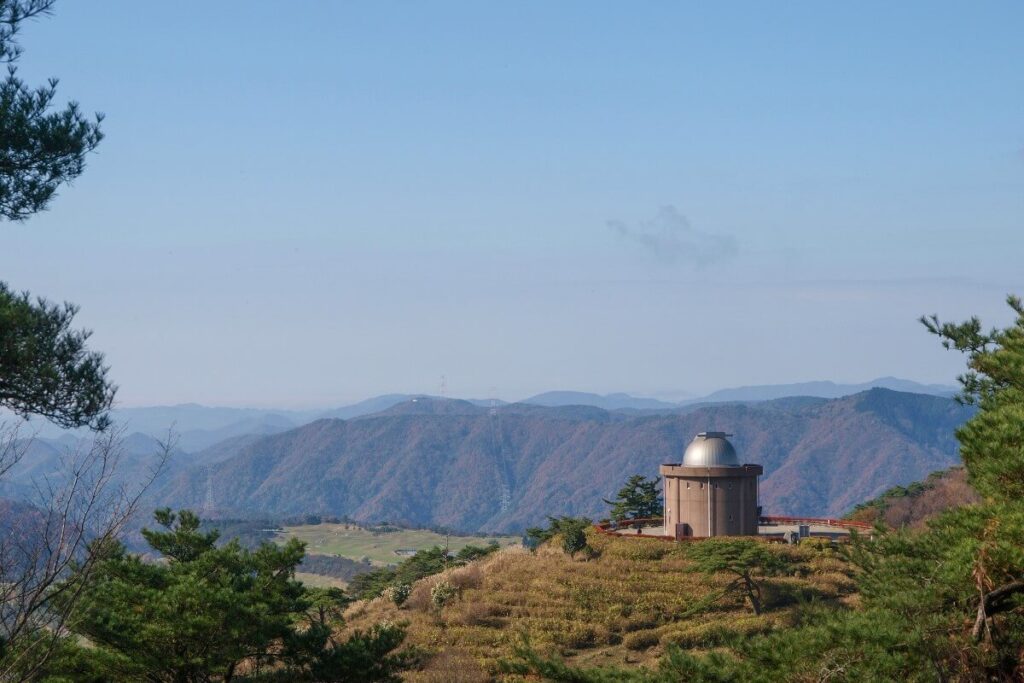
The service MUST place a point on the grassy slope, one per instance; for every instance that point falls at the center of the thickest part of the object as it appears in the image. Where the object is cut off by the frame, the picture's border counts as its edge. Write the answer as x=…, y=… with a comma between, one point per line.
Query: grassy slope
x=619, y=608
x=355, y=542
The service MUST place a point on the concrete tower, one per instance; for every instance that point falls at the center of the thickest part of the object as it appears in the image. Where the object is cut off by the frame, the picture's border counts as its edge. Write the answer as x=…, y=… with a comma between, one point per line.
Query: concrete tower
x=710, y=493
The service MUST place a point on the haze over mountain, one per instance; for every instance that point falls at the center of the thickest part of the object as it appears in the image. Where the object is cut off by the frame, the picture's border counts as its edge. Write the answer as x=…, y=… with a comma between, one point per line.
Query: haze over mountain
x=452, y=463
x=196, y=427
x=824, y=389
x=617, y=401
x=763, y=392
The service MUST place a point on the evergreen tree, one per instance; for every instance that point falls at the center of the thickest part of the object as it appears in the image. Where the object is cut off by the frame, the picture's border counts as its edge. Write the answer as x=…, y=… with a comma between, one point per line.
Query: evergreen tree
x=209, y=613
x=41, y=147
x=556, y=526
x=638, y=499
x=45, y=366
x=572, y=531
x=746, y=559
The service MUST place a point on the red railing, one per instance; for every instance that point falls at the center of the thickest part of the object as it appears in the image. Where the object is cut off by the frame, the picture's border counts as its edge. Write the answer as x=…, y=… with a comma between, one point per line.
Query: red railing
x=821, y=521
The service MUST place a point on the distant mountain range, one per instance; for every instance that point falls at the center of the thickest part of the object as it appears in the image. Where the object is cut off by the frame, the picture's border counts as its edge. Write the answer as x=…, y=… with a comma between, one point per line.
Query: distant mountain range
x=196, y=427
x=768, y=392
x=763, y=392
x=606, y=402
x=452, y=463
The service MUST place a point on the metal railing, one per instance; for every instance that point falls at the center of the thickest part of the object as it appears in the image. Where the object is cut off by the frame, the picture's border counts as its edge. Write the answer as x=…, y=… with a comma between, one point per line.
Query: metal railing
x=611, y=528
x=820, y=521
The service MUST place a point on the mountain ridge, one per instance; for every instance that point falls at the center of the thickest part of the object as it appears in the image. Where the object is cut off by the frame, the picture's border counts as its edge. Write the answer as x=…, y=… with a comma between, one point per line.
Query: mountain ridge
x=439, y=462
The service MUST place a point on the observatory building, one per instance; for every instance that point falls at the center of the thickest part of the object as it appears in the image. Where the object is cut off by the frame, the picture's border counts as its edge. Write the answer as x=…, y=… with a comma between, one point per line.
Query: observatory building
x=711, y=493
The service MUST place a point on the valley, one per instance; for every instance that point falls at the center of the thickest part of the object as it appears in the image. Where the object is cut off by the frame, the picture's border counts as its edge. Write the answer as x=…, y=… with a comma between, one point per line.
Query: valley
x=380, y=548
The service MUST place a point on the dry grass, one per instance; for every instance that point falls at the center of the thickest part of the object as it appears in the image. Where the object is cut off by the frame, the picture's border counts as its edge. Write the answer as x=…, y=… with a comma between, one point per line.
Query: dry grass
x=621, y=607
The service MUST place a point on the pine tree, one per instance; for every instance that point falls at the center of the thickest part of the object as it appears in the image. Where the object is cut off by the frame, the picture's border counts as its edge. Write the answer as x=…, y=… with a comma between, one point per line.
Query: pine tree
x=216, y=613
x=638, y=499
x=749, y=561
x=40, y=148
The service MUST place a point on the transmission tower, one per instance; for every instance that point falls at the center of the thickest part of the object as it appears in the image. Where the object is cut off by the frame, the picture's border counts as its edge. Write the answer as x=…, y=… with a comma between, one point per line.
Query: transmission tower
x=208, y=504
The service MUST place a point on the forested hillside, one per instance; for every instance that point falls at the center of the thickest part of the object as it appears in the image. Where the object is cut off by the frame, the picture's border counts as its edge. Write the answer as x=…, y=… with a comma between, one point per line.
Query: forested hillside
x=448, y=463
x=914, y=505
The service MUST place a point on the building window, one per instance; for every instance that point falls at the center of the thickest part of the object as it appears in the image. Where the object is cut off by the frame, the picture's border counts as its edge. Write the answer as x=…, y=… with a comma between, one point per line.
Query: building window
x=687, y=484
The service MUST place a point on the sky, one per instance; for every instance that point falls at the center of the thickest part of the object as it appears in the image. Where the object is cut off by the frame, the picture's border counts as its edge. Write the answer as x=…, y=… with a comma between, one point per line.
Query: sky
x=305, y=205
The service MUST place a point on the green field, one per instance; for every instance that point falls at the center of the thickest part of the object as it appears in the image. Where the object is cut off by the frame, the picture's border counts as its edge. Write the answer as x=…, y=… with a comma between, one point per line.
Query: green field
x=356, y=542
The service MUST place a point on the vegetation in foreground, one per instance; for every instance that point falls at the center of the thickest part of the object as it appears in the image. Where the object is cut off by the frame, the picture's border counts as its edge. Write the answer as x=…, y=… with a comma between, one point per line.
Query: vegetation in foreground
x=212, y=613
x=626, y=602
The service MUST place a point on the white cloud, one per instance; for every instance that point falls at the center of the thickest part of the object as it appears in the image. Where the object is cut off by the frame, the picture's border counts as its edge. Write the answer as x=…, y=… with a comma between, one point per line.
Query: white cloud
x=670, y=239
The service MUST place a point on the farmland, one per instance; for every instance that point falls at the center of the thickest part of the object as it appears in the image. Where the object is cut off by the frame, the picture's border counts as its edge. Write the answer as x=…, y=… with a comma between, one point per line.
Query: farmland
x=356, y=542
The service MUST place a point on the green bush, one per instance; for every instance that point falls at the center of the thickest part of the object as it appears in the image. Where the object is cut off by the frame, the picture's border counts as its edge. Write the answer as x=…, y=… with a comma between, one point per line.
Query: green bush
x=397, y=594
x=443, y=593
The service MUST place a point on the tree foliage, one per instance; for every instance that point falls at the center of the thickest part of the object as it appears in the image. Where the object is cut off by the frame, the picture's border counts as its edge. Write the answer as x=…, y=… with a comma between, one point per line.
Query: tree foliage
x=45, y=366
x=637, y=499
x=424, y=563
x=572, y=531
x=41, y=147
x=748, y=560
x=219, y=613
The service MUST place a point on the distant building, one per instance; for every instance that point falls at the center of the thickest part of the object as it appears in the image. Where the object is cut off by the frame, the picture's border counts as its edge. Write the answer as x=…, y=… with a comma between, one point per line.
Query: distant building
x=710, y=493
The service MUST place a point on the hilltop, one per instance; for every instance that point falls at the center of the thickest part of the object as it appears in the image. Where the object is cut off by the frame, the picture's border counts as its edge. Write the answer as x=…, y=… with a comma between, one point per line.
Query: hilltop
x=434, y=462
x=623, y=606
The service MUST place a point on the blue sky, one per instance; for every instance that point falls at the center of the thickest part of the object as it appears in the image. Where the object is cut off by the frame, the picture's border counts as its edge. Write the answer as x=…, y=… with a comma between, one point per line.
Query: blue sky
x=306, y=206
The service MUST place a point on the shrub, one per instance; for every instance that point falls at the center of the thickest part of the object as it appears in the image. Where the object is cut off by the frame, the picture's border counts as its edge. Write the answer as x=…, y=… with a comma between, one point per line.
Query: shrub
x=556, y=525
x=397, y=594
x=576, y=635
x=783, y=593
x=573, y=540
x=698, y=635
x=641, y=640
x=641, y=622
x=442, y=594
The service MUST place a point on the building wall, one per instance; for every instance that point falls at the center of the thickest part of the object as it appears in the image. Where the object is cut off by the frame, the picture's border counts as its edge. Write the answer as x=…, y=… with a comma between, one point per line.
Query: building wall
x=711, y=501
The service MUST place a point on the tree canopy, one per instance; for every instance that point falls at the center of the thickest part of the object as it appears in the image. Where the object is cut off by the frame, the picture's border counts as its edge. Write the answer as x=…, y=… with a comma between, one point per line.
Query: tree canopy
x=639, y=498
x=424, y=563
x=217, y=613
x=45, y=366
x=572, y=531
x=41, y=147
x=748, y=560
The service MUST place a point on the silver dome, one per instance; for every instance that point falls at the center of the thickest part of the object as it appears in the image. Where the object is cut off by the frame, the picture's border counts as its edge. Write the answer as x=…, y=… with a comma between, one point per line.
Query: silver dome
x=710, y=449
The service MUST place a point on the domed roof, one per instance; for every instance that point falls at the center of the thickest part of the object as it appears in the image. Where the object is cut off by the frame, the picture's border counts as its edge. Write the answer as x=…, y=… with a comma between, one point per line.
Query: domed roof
x=711, y=449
